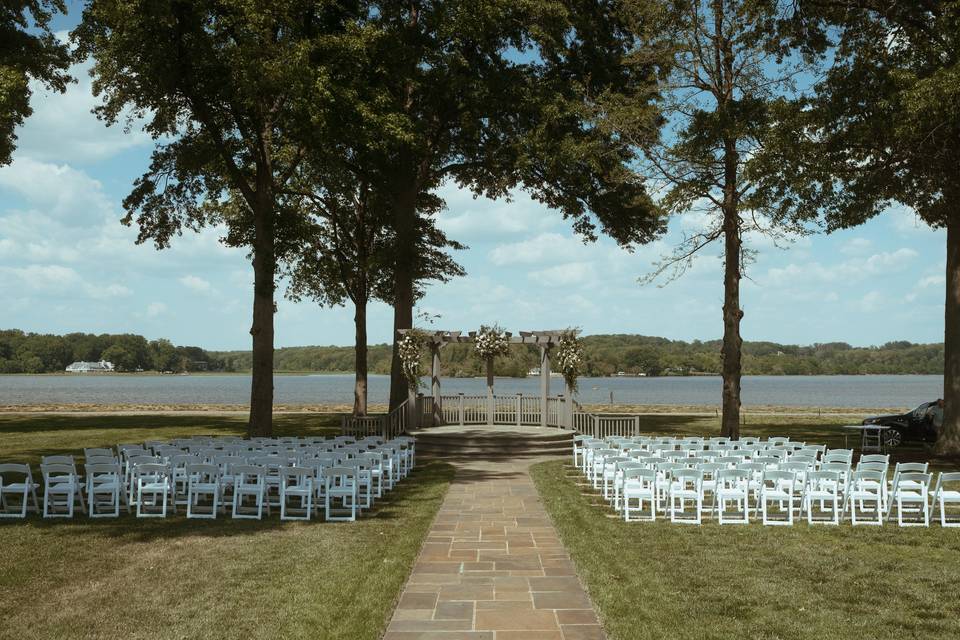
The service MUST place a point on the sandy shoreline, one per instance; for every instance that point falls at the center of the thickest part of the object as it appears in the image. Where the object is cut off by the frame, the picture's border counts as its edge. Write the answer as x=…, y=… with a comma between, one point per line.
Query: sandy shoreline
x=228, y=409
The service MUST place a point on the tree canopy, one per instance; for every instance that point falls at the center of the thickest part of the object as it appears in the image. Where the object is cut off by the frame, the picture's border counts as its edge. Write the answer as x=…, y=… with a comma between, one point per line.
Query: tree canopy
x=28, y=52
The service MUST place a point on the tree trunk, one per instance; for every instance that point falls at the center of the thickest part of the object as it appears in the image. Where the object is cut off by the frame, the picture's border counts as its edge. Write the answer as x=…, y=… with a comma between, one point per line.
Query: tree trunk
x=948, y=442
x=404, y=225
x=732, y=314
x=360, y=359
x=264, y=268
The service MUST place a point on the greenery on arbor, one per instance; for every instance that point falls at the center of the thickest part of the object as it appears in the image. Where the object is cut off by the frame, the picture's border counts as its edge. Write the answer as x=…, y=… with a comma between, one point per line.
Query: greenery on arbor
x=492, y=95
x=227, y=88
x=730, y=63
x=883, y=127
x=28, y=52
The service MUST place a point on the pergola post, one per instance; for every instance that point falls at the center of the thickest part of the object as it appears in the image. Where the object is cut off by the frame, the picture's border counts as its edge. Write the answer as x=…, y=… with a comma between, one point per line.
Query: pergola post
x=544, y=382
x=435, y=383
x=490, y=399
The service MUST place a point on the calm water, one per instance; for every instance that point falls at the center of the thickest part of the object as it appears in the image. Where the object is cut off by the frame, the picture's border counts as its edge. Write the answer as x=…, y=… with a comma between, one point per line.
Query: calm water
x=811, y=391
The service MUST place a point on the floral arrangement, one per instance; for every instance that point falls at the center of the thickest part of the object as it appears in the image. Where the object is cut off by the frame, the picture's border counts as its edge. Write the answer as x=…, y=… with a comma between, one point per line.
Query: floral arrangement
x=491, y=342
x=569, y=357
x=410, y=348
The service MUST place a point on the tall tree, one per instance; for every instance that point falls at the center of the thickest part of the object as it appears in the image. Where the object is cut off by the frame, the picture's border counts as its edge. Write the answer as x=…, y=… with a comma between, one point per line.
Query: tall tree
x=28, y=51
x=490, y=95
x=224, y=86
x=882, y=127
x=730, y=64
x=349, y=251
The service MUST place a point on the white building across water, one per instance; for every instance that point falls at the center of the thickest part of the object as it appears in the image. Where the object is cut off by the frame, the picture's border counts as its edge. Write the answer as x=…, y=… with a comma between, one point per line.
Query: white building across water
x=90, y=367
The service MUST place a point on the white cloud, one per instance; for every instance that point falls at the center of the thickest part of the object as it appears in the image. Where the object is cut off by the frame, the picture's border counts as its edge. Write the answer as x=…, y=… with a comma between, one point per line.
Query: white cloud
x=856, y=246
x=562, y=275
x=932, y=281
x=871, y=302
x=469, y=219
x=849, y=271
x=63, y=129
x=155, y=309
x=195, y=283
x=546, y=248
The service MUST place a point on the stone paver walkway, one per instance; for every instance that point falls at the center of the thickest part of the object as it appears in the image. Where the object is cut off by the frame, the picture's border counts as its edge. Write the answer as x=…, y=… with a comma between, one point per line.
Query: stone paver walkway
x=492, y=567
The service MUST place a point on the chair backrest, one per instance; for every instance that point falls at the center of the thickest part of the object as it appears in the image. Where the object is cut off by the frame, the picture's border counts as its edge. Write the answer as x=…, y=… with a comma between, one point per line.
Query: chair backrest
x=913, y=477
x=297, y=476
x=100, y=472
x=867, y=480
x=203, y=473
x=911, y=467
x=58, y=472
x=733, y=478
x=46, y=460
x=778, y=478
x=879, y=467
x=102, y=451
x=645, y=476
x=874, y=457
x=248, y=473
x=688, y=477
x=829, y=481
x=838, y=455
x=151, y=471
x=20, y=472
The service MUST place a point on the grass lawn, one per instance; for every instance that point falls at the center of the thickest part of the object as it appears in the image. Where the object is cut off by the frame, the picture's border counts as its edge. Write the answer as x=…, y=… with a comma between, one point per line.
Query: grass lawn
x=174, y=578
x=657, y=580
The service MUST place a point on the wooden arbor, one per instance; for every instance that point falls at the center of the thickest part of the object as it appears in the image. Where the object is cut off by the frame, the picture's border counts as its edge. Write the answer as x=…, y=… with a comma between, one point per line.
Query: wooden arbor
x=436, y=340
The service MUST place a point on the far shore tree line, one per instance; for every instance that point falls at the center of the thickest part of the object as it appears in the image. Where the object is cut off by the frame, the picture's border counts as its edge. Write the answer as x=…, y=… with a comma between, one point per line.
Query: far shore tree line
x=317, y=134
x=604, y=355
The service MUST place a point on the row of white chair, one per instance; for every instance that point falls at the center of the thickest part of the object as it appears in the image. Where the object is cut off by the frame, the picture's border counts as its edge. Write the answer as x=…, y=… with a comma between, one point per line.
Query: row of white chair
x=342, y=477
x=657, y=476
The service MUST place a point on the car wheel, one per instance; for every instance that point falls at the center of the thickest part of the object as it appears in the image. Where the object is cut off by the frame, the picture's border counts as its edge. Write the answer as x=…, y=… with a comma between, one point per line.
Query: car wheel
x=893, y=438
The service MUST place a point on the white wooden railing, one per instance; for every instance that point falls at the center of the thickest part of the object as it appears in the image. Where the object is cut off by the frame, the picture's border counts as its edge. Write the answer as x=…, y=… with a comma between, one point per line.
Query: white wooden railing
x=389, y=425
x=516, y=410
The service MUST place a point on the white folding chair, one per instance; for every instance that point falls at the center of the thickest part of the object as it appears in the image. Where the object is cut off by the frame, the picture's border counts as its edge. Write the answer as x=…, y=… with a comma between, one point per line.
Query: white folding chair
x=947, y=492
x=686, y=486
x=296, y=493
x=203, y=481
x=153, y=489
x=777, y=488
x=866, y=488
x=60, y=489
x=249, y=482
x=733, y=486
x=910, y=488
x=342, y=486
x=639, y=485
x=17, y=489
x=104, y=488
x=822, y=488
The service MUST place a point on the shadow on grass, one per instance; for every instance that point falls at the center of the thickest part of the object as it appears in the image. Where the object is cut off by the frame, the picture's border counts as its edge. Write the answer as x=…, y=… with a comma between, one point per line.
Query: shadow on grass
x=421, y=484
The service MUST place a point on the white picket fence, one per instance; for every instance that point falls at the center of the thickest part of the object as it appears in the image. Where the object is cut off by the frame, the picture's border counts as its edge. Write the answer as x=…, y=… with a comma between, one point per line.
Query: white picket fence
x=518, y=410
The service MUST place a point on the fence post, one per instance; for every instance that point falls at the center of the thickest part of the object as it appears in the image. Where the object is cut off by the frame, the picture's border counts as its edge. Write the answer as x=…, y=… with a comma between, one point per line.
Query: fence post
x=636, y=425
x=460, y=411
x=519, y=408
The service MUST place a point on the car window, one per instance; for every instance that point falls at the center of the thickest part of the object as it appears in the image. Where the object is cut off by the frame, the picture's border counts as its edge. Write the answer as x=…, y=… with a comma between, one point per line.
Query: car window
x=922, y=409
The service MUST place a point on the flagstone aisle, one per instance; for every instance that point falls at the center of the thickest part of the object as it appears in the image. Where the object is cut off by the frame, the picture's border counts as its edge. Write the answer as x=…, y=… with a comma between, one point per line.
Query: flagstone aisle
x=492, y=567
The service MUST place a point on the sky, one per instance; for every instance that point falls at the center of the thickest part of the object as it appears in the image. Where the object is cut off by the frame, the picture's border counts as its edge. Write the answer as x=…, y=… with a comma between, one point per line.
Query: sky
x=68, y=264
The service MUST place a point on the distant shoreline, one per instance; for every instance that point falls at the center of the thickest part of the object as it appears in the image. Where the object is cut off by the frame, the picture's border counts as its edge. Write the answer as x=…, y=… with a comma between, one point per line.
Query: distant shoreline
x=339, y=408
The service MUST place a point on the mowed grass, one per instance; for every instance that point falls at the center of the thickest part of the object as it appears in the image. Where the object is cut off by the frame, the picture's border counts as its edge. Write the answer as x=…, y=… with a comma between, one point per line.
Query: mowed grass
x=178, y=578
x=657, y=580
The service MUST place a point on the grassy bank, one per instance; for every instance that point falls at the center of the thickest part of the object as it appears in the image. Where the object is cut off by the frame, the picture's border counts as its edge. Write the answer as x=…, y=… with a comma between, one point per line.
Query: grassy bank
x=174, y=578
x=657, y=580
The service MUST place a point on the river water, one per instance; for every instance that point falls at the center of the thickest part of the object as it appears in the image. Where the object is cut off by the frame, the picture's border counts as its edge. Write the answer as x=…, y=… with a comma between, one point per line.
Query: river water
x=798, y=391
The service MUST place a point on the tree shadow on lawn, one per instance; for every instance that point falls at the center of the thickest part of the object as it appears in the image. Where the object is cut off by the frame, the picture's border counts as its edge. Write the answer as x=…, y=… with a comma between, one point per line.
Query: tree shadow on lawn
x=425, y=482
x=284, y=425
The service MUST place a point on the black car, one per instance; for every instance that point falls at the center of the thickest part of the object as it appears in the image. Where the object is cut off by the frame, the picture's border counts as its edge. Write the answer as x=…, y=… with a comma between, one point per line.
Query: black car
x=913, y=426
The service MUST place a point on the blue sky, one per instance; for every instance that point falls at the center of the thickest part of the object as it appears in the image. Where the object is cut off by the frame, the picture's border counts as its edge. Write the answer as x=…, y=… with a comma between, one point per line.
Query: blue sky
x=67, y=264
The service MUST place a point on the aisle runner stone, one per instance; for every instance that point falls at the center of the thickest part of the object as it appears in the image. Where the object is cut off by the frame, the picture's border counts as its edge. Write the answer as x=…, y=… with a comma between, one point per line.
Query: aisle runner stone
x=493, y=568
